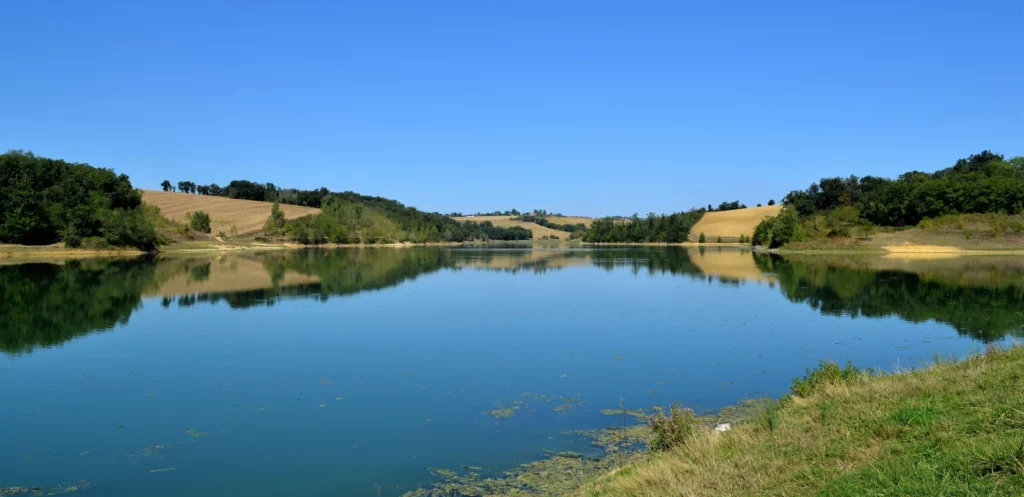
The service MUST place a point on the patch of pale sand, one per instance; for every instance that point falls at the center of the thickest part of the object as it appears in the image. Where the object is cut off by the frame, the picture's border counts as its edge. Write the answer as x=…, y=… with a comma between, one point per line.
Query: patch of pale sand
x=920, y=256
x=913, y=248
x=731, y=224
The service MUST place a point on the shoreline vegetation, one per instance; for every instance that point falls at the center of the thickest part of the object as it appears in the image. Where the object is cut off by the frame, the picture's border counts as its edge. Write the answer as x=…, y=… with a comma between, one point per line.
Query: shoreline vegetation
x=54, y=208
x=952, y=427
x=15, y=252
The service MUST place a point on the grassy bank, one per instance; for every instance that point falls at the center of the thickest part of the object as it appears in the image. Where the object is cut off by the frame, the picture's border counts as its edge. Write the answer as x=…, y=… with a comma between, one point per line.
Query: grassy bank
x=951, y=429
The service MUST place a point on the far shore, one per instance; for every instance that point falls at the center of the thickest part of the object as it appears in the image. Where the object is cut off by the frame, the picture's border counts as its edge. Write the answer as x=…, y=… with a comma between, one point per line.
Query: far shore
x=18, y=253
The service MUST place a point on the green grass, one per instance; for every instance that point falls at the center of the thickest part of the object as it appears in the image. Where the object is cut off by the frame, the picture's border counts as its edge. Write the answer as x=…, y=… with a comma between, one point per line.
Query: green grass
x=956, y=429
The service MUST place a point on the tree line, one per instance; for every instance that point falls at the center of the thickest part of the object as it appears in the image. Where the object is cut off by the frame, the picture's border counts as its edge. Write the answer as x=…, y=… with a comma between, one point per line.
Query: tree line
x=44, y=201
x=840, y=207
x=671, y=228
x=544, y=221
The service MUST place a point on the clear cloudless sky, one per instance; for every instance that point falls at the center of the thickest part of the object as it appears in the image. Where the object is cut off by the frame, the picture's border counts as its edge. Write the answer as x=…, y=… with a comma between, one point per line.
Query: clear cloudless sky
x=584, y=107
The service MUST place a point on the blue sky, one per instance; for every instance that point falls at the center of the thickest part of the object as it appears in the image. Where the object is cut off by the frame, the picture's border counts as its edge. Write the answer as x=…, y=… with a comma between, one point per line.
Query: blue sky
x=589, y=107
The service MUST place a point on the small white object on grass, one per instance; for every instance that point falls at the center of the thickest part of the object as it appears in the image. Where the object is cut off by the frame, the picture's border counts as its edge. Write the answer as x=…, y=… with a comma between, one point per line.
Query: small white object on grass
x=724, y=427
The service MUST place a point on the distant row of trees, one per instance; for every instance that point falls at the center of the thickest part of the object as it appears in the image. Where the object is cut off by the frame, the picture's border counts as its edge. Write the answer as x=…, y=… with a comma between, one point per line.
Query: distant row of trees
x=545, y=222
x=672, y=228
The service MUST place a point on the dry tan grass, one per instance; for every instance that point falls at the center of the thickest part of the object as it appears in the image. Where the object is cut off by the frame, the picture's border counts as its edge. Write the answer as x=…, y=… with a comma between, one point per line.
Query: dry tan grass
x=571, y=220
x=246, y=215
x=505, y=222
x=731, y=224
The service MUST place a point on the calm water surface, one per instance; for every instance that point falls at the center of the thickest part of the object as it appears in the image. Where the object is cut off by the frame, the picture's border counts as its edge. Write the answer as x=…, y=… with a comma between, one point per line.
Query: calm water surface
x=350, y=372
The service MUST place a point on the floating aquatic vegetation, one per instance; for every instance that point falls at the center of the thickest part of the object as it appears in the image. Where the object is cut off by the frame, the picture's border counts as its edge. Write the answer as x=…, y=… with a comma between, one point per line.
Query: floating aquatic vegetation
x=258, y=408
x=194, y=433
x=325, y=382
x=550, y=398
x=338, y=398
x=59, y=489
x=653, y=392
x=152, y=450
x=638, y=414
x=563, y=408
x=321, y=406
x=506, y=411
x=162, y=470
x=558, y=474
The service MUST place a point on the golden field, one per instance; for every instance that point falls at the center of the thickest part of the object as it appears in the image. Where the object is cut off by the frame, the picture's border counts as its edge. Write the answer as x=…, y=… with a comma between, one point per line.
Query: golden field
x=731, y=224
x=506, y=222
x=246, y=216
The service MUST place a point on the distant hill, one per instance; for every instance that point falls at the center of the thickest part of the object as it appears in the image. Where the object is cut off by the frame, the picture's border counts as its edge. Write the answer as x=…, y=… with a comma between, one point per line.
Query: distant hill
x=247, y=216
x=507, y=222
x=731, y=224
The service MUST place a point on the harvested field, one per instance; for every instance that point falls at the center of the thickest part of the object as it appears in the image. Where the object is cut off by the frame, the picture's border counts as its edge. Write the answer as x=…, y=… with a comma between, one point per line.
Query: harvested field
x=571, y=220
x=246, y=215
x=731, y=224
x=505, y=222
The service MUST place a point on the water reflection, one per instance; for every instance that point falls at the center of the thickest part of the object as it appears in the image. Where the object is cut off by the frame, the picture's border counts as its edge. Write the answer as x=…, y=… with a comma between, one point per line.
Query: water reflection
x=48, y=304
x=980, y=297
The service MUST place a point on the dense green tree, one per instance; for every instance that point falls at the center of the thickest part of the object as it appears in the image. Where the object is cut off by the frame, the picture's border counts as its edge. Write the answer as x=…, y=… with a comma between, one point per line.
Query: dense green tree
x=771, y=201
x=45, y=201
x=166, y=185
x=199, y=221
x=702, y=239
x=980, y=183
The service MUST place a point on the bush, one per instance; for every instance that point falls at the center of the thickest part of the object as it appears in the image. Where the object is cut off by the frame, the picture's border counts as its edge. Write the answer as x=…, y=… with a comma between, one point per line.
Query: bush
x=276, y=220
x=199, y=221
x=719, y=240
x=702, y=239
x=128, y=228
x=771, y=202
x=826, y=373
x=672, y=429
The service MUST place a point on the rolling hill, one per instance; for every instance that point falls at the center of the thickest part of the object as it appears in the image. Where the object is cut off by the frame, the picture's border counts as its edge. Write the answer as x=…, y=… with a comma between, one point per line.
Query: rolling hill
x=506, y=222
x=731, y=224
x=246, y=216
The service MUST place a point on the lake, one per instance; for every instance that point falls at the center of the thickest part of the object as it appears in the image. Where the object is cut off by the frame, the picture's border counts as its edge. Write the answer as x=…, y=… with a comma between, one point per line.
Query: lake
x=355, y=371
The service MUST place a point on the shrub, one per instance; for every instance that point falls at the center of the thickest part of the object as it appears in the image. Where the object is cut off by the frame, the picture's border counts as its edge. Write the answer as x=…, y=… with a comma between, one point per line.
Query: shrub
x=199, y=221
x=276, y=220
x=826, y=373
x=672, y=429
x=719, y=239
x=702, y=238
x=771, y=202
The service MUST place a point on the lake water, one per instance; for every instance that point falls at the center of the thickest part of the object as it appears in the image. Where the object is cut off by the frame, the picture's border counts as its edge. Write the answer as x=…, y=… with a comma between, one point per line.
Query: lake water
x=352, y=371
